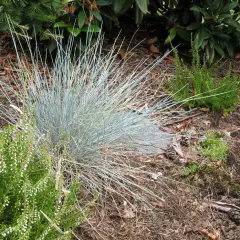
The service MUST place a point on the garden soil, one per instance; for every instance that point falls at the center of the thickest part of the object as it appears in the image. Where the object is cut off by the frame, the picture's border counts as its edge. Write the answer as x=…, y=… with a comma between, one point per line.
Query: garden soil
x=185, y=210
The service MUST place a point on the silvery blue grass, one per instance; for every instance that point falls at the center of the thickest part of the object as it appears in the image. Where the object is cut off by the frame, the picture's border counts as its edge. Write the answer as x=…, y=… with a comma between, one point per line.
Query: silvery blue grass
x=85, y=104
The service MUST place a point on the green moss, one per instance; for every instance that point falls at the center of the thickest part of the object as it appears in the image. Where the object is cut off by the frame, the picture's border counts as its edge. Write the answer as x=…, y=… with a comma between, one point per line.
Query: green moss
x=191, y=169
x=214, y=147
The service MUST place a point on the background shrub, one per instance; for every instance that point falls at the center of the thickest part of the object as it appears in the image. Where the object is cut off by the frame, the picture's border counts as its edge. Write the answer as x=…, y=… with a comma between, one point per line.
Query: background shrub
x=73, y=16
x=198, y=86
x=32, y=202
x=213, y=24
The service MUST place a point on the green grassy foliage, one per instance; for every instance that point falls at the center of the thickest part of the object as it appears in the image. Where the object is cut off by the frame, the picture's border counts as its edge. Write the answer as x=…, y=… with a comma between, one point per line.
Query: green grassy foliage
x=214, y=147
x=198, y=86
x=191, y=169
x=32, y=202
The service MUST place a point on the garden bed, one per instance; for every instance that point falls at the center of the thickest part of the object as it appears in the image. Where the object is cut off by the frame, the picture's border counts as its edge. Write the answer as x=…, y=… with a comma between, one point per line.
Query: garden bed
x=185, y=212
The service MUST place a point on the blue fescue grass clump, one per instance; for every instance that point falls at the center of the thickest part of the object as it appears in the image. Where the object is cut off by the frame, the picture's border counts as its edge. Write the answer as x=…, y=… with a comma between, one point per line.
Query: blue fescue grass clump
x=33, y=204
x=87, y=105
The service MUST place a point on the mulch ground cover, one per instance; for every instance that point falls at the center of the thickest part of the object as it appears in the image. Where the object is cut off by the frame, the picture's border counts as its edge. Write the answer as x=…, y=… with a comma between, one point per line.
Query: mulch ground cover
x=205, y=205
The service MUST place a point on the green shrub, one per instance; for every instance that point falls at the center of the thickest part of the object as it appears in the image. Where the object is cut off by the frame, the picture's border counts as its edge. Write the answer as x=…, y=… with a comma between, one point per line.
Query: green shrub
x=214, y=147
x=214, y=24
x=71, y=16
x=32, y=202
x=198, y=86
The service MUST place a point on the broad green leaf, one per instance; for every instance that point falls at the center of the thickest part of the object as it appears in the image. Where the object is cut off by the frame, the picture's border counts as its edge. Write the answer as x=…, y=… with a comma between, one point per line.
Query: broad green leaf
x=143, y=5
x=216, y=6
x=60, y=24
x=208, y=17
x=97, y=15
x=91, y=28
x=193, y=26
x=171, y=36
x=121, y=6
x=199, y=9
x=104, y=2
x=81, y=18
x=222, y=35
x=219, y=50
x=127, y=6
x=227, y=15
x=199, y=37
x=138, y=15
x=74, y=31
x=211, y=42
x=230, y=49
x=197, y=16
x=109, y=13
x=210, y=54
x=207, y=33
x=232, y=23
x=184, y=34
x=118, y=5
x=229, y=6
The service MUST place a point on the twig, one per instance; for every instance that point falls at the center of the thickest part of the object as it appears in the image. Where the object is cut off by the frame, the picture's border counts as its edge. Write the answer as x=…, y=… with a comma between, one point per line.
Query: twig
x=182, y=120
x=224, y=207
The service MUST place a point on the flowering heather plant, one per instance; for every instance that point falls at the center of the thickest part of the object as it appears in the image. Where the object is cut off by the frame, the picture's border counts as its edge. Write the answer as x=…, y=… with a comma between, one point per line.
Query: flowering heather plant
x=32, y=202
x=85, y=104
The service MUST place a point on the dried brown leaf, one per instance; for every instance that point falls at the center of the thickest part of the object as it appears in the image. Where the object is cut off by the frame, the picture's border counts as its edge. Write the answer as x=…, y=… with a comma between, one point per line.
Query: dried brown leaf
x=122, y=53
x=210, y=235
x=152, y=40
x=154, y=49
x=219, y=163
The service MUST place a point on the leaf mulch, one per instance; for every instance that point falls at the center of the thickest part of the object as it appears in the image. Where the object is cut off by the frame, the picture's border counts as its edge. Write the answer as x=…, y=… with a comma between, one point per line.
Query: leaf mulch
x=205, y=205
x=186, y=213
x=201, y=206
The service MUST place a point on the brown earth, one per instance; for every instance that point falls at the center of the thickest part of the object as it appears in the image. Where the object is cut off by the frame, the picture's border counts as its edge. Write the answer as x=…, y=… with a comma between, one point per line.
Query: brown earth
x=185, y=213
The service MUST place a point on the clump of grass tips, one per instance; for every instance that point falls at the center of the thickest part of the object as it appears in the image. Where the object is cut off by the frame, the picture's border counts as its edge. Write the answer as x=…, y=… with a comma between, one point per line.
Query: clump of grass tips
x=33, y=203
x=86, y=106
x=214, y=147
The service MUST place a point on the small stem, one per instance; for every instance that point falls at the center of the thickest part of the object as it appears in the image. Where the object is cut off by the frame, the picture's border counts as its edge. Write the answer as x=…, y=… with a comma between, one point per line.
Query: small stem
x=217, y=115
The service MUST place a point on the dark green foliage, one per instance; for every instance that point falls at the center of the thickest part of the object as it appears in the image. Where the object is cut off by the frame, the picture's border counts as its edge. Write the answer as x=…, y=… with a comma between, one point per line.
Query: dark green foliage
x=29, y=14
x=32, y=204
x=214, y=24
x=72, y=16
x=197, y=86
